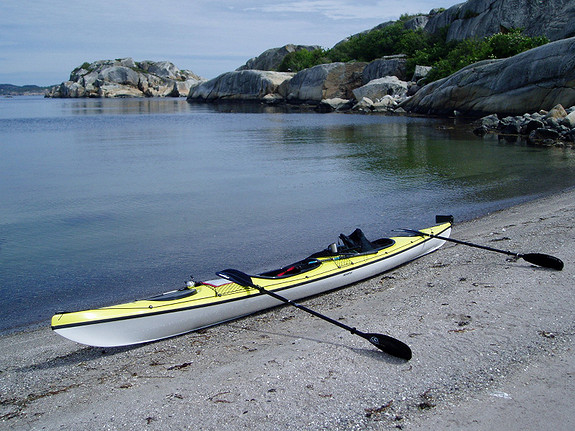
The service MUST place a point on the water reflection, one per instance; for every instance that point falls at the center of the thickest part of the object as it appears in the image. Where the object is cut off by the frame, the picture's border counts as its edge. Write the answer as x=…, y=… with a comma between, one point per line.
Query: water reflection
x=155, y=105
x=416, y=153
x=127, y=106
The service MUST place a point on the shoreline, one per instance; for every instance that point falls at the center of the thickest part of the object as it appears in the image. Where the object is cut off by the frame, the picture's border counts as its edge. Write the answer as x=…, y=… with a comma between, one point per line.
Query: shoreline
x=492, y=342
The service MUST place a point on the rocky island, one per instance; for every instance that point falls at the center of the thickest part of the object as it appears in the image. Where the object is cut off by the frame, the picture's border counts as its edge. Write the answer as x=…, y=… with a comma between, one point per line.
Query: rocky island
x=126, y=78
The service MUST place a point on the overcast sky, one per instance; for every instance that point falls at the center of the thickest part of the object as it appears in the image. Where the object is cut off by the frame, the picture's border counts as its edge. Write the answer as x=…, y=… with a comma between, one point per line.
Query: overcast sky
x=42, y=41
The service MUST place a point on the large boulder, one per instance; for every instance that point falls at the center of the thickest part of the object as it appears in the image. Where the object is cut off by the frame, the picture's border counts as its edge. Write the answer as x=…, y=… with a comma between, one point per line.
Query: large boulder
x=420, y=72
x=272, y=58
x=479, y=18
x=166, y=69
x=418, y=22
x=392, y=65
x=536, y=79
x=68, y=89
x=378, y=88
x=120, y=75
x=126, y=78
x=325, y=81
x=240, y=85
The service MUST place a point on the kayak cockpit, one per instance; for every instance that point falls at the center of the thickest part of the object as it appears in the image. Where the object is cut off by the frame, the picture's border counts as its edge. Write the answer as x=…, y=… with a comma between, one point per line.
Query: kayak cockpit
x=383, y=243
x=173, y=295
x=354, y=244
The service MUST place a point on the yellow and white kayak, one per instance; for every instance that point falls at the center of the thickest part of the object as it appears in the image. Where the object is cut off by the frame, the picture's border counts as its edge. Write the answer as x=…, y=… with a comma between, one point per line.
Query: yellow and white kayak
x=203, y=304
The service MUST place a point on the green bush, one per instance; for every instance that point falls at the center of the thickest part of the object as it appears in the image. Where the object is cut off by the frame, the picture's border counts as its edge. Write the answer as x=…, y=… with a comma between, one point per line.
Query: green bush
x=421, y=48
x=513, y=42
x=390, y=40
x=466, y=52
x=303, y=59
x=459, y=55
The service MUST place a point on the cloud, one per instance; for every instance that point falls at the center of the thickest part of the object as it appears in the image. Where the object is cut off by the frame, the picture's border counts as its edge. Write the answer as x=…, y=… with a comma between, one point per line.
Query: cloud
x=331, y=9
x=208, y=37
x=339, y=10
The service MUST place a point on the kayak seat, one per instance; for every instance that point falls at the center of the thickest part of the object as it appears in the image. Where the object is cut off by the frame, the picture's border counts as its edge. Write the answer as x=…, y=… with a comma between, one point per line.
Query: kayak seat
x=357, y=241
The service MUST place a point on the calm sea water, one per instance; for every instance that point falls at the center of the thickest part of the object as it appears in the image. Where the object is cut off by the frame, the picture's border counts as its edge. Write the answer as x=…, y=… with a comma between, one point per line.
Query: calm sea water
x=103, y=201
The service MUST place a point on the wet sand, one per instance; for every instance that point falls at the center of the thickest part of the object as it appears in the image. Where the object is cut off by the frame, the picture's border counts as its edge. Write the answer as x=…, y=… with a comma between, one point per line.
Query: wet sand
x=492, y=341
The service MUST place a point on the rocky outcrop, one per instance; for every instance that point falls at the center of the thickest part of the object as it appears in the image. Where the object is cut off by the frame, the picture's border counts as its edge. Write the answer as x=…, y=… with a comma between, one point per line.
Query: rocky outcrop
x=417, y=22
x=126, y=78
x=537, y=79
x=272, y=58
x=329, y=85
x=556, y=127
x=325, y=81
x=250, y=85
x=479, y=18
x=533, y=80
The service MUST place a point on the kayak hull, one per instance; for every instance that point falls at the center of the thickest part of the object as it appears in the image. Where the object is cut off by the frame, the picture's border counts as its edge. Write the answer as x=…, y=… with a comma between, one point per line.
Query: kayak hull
x=217, y=301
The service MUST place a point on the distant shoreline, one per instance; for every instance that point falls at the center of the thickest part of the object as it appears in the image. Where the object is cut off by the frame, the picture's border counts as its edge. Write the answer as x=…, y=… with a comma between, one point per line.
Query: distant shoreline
x=22, y=90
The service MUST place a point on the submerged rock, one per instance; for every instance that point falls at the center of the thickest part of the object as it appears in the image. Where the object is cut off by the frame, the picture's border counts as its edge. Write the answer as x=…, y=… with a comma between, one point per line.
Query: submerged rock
x=548, y=128
x=335, y=104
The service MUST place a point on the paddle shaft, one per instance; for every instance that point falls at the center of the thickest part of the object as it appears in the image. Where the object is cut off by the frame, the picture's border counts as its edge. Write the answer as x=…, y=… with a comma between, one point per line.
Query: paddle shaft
x=387, y=344
x=308, y=310
x=540, y=259
x=457, y=241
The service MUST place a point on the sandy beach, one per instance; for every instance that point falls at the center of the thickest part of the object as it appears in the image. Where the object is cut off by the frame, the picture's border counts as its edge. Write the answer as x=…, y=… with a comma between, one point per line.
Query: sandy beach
x=492, y=340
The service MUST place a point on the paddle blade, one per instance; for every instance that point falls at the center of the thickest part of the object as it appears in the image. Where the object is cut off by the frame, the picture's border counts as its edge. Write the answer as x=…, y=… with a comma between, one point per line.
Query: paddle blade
x=389, y=345
x=236, y=276
x=543, y=260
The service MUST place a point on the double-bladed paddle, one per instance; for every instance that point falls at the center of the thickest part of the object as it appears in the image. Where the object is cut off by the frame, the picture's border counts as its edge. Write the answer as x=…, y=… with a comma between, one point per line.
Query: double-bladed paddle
x=539, y=259
x=386, y=343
